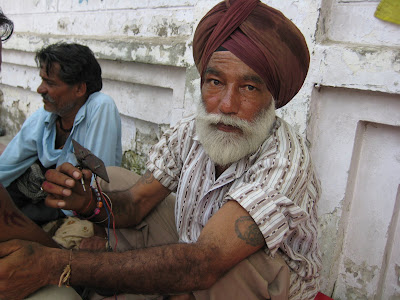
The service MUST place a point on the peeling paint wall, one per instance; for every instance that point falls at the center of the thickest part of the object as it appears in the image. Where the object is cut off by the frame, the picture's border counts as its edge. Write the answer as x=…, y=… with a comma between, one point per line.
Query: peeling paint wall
x=144, y=48
x=355, y=112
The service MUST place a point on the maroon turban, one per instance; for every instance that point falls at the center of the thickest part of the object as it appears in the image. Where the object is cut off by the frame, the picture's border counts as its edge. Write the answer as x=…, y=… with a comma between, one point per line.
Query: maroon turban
x=262, y=37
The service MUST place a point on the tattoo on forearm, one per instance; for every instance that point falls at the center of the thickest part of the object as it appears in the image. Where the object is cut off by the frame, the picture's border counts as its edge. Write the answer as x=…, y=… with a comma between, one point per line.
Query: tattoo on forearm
x=147, y=178
x=248, y=231
x=13, y=219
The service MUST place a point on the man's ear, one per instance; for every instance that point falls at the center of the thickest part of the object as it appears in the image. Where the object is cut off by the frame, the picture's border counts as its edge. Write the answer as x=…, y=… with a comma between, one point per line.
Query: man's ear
x=80, y=89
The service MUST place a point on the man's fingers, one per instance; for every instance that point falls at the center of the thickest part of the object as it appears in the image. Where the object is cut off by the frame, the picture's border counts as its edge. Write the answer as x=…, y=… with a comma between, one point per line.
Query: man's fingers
x=65, y=187
x=62, y=179
x=70, y=170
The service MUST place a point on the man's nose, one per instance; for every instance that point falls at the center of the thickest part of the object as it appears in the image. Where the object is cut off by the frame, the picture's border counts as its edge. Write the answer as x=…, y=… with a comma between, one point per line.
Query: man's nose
x=41, y=89
x=230, y=101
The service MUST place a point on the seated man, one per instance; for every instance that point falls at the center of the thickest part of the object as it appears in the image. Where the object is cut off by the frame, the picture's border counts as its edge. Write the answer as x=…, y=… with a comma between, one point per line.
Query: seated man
x=74, y=108
x=246, y=192
x=12, y=221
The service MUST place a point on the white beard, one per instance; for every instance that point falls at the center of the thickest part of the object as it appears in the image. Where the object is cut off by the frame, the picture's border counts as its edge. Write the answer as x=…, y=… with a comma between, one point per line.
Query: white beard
x=225, y=148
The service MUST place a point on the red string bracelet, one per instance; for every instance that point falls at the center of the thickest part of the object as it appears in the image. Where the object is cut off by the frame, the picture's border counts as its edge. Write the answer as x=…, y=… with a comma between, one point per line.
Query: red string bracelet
x=96, y=211
x=90, y=202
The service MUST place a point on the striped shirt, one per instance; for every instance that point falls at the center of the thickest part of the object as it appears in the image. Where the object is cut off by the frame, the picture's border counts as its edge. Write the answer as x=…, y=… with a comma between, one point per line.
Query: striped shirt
x=276, y=185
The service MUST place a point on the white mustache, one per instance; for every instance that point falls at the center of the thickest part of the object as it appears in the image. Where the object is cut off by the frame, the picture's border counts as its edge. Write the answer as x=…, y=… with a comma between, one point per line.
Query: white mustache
x=245, y=126
x=48, y=98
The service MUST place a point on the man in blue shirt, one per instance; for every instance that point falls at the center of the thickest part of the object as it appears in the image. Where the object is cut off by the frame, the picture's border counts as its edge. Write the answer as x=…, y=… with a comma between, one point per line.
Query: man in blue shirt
x=74, y=108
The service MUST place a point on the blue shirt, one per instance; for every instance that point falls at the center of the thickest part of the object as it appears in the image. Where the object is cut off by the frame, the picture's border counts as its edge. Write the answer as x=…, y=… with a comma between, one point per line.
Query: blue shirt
x=97, y=127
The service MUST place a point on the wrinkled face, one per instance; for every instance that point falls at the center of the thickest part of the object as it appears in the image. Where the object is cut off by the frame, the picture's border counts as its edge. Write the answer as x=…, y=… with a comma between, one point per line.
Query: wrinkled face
x=58, y=97
x=237, y=111
x=233, y=88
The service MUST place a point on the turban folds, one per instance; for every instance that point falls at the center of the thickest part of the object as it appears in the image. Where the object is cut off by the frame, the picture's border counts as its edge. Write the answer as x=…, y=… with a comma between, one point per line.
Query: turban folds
x=262, y=37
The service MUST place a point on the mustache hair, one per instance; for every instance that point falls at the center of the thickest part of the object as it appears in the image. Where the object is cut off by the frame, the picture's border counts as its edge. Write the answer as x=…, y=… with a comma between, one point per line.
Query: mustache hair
x=214, y=119
x=48, y=98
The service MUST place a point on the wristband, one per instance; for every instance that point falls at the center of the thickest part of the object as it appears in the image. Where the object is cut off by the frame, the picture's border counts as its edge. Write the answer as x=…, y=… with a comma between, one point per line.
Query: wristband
x=96, y=211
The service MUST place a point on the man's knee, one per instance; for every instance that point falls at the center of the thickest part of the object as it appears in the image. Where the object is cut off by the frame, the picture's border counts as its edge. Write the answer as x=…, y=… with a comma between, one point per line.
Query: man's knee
x=259, y=276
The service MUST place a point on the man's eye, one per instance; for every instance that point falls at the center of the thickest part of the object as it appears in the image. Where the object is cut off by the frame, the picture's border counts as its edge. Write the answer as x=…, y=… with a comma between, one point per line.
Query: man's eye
x=251, y=88
x=215, y=81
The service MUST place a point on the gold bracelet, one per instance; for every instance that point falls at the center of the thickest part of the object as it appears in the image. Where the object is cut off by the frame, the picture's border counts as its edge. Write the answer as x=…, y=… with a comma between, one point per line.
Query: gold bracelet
x=66, y=275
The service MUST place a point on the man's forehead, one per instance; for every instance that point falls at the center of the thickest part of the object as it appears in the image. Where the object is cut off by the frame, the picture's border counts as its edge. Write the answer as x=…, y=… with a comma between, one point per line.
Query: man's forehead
x=220, y=59
x=50, y=70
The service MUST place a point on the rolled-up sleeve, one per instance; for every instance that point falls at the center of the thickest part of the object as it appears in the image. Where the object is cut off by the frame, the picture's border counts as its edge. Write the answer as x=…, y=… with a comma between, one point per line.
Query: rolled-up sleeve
x=275, y=214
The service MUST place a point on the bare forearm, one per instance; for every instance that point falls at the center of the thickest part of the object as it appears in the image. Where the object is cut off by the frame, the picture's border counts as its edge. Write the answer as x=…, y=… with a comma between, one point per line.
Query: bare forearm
x=124, y=210
x=131, y=206
x=163, y=270
x=15, y=225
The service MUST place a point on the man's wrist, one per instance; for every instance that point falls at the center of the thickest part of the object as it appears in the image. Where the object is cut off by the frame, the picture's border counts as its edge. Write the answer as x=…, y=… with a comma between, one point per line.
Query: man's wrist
x=90, y=206
x=93, y=209
x=58, y=259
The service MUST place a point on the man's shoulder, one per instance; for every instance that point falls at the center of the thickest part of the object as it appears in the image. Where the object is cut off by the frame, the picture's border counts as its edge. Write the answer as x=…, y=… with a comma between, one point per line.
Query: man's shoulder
x=100, y=102
x=183, y=130
x=284, y=137
x=283, y=126
x=40, y=115
x=99, y=98
x=186, y=122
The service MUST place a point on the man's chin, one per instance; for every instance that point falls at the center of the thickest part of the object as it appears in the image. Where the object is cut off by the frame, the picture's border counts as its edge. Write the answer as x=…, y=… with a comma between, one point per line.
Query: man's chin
x=224, y=148
x=48, y=106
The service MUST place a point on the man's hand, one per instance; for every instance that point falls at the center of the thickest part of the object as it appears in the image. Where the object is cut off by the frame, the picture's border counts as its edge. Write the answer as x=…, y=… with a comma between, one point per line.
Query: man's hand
x=65, y=189
x=24, y=268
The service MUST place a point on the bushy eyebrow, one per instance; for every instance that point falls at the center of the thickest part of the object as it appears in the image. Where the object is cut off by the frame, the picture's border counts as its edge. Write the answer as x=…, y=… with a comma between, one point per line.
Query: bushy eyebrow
x=253, y=78
x=211, y=70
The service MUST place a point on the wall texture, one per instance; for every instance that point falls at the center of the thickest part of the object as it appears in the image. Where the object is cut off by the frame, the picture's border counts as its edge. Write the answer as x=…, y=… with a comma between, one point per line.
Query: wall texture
x=144, y=48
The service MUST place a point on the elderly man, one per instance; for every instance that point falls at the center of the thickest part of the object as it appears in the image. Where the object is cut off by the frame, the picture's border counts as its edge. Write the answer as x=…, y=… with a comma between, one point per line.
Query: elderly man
x=246, y=193
x=74, y=108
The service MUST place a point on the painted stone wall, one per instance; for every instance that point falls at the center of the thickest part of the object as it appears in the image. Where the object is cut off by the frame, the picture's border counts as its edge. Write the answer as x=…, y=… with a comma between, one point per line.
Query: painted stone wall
x=354, y=124
x=144, y=48
x=145, y=51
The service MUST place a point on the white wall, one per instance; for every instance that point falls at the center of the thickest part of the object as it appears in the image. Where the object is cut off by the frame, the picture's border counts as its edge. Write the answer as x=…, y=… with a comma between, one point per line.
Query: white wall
x=145, y=51
x=355, y=117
